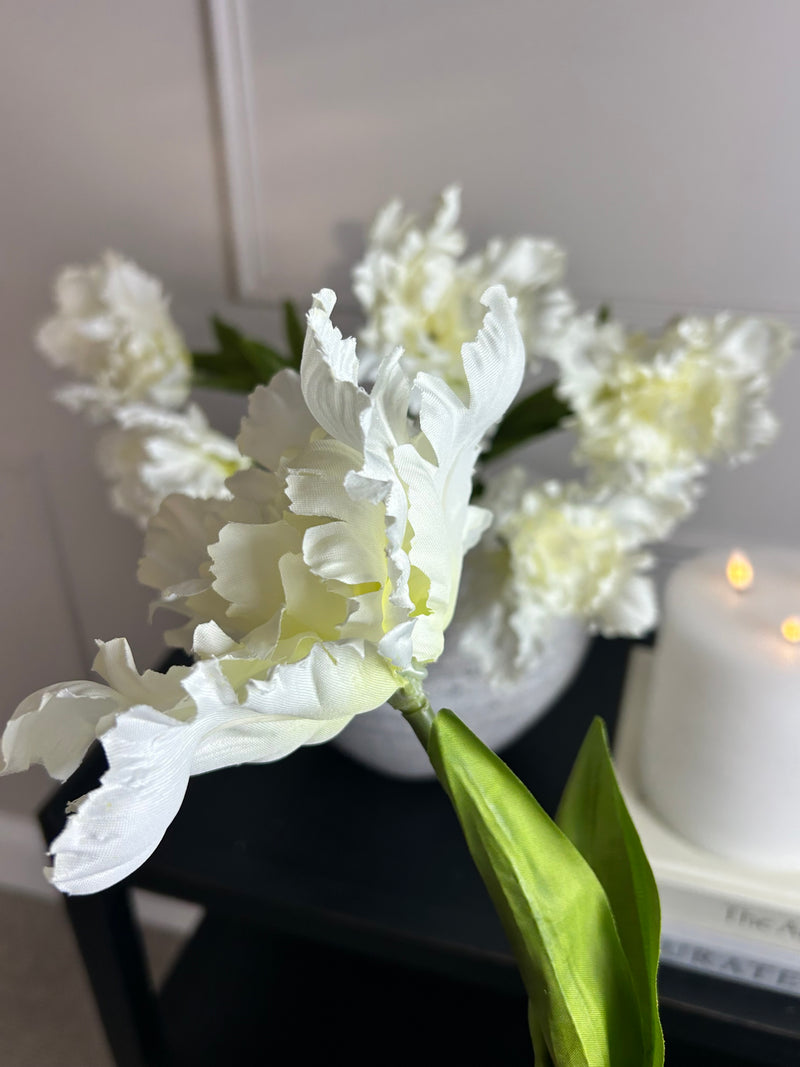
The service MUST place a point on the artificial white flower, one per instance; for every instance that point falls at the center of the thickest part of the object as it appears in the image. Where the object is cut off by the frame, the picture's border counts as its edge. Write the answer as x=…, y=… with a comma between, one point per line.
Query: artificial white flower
x=114, y=332
x=652, y=412
x=554, y=552
x=418, y=293
x=329, y=581
x=153, y=453
x=157, y=730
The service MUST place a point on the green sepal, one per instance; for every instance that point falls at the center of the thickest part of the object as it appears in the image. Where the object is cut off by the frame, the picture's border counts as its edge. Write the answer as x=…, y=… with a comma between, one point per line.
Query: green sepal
x=556, y=915
x=537, y=414
x=592, y=813
x=295, y=333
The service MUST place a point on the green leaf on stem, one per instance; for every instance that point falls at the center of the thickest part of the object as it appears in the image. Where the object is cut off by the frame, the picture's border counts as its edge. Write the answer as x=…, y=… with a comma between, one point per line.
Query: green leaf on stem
x=537, y=414
x=295, y=333
x=594, y=817
x=263, y=360
x=211, y=370
x=583, y=1008
x=241, y=363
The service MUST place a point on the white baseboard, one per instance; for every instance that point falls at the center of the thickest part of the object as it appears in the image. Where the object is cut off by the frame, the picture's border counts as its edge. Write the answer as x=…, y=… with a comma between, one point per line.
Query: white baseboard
x=23, y=857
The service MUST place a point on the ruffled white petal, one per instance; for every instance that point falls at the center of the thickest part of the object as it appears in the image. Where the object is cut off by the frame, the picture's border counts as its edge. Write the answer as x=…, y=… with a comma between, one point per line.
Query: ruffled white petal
x=114, y=662
x=277, y=421
x=177, y=540
x=650, y=412
x=117, y=826
x=329, y=376
x=316, y=591
x=151, y=755
x=556, y=553
x=153, y=453
x=113, y=330
x=56, y=726
x=417, y=292
x=176, y=562
x=493, y=366
x=245, y=565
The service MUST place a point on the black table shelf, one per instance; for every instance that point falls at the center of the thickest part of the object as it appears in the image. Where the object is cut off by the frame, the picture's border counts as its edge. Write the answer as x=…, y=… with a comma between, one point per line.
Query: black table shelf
x=306, y=1003
x=318, y=866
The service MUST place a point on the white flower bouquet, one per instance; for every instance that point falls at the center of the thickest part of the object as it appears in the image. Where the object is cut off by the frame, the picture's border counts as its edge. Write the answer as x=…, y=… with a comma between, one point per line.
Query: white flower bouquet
x=316, y=564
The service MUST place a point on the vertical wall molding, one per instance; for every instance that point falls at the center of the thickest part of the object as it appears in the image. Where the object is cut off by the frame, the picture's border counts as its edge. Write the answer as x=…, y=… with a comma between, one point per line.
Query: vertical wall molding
x=234, y=86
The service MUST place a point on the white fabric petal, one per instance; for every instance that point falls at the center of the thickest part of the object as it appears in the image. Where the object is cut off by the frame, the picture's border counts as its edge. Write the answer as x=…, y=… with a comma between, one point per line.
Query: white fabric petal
x=113, y=330
x=329, y=376
x=312, y=609
x=314, y=484
x=493, y=364
x=339, y=551
x=117, y=826
x=298, y=704
x=434, y=550
x=211, y=640
x=318, y=590
x=114, y=662
x=152, y=755
x=334, y=680
x=177, y=539
x=55, y=727
x=245, y=565
x=277, y=420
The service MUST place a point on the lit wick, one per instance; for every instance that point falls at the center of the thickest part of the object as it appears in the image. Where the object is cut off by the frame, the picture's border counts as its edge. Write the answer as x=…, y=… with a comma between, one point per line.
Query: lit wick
x=739, y=571
x=790, y=628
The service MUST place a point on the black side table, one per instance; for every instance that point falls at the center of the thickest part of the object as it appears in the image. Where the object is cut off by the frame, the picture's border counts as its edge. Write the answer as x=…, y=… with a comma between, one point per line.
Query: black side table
x=344, y=917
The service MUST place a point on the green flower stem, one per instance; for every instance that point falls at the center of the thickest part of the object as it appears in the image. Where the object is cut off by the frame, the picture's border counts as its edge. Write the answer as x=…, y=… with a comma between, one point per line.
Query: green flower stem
x=416, y=708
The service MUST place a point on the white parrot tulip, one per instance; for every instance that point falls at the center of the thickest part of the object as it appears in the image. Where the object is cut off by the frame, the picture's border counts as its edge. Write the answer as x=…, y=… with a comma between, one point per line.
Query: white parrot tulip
x=321, y=588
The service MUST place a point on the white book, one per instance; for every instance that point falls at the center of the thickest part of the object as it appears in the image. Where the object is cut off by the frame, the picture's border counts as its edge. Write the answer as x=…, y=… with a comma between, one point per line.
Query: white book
x=718, y=916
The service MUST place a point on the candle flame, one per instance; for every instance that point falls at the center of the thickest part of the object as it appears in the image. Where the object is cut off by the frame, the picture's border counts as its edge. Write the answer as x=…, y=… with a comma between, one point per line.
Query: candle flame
x=739, y=571
x=790, y=628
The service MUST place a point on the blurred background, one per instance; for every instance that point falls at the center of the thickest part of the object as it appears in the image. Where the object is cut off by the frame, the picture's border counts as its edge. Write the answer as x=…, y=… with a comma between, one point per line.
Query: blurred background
x=238, y=150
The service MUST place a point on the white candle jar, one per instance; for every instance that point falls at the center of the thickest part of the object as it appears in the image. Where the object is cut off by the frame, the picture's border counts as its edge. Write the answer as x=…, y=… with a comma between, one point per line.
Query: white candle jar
x=720, y=754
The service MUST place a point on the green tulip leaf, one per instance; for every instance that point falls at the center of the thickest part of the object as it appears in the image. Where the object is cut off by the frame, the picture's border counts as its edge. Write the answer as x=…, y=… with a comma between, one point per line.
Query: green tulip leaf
x=594, y=817
x=245, y=352
x=535, y=415
x=295, y=332
x=240, y=364
x=583, y=1009
x=212, y=370
x=541, y=1053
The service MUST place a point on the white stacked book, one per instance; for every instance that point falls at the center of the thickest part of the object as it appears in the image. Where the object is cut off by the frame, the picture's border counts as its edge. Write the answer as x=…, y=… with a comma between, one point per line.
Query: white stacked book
x=718, y=916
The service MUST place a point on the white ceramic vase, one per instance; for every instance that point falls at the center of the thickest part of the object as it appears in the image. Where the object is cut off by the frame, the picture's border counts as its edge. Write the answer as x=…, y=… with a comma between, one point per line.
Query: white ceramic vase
x=383, y=740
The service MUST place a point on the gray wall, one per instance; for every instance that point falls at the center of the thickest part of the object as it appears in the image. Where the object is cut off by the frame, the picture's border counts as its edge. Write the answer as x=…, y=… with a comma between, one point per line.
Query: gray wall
x=659, y=143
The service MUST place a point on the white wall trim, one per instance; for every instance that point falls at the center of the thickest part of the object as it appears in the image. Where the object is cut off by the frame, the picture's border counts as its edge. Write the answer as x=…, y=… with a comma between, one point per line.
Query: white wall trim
x=23, y=857
x=231, y=44
x=234, y=85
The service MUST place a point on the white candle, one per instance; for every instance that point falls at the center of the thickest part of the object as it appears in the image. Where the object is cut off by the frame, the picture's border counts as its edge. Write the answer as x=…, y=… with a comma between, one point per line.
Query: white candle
x=720, y=756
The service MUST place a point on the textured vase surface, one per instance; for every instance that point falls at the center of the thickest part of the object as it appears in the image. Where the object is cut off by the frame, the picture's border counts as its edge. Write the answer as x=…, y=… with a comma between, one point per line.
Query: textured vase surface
x=383, y=740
